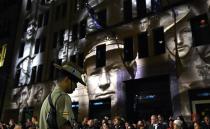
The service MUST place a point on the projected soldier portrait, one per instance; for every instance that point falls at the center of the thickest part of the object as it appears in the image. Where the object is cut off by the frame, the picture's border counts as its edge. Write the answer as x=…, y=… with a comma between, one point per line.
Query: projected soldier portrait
x=192, y=63
x=107, y=81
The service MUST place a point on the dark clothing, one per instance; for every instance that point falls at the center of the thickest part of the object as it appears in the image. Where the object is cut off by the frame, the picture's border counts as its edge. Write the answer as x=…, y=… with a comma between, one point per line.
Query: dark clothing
x=159, y=126
x=205, y=126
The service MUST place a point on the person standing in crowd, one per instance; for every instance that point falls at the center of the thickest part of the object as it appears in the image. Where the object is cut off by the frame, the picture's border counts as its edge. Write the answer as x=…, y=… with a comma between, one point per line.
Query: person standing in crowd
x=178, y=124
x=206, y=124
x=141, y=124
x=197, y=125
x=35, y=123
x=11, y=124
x=118, y=123
x=195, y=119
x=154, y=123
x=162, y=122
x=68, y=76
x=184, y=124
x=171, y=124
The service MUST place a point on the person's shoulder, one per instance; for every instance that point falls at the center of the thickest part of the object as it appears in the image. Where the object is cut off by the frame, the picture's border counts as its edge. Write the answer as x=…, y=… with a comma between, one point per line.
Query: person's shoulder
x=64, y=96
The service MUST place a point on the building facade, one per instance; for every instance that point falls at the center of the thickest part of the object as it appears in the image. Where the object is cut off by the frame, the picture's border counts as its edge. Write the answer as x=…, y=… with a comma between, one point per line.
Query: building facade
x=123, y=45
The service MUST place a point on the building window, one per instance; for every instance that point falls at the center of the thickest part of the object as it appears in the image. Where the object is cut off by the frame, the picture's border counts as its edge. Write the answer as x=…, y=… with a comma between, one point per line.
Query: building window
x=143, y=47
x=74, y=32
x=39, y=73
x=61, y=37
x=55, y=39
x=46, y=17
x=17, y=77
x=43, y=43
x=102, y=17
x=64, y=9
x=82, y=31
x=28, y=5
x=141, y=8
x=51, y=72
x=73, y=58
x=40, y=19
x=42, y=2
x=128, y=49
x=58, y=62
x=57, y=12
x=33, y=75
x=127, y=6
x=26, y=22
x=82, y=4
x=22, y=46
x=37, y=44
x=159, y=40
x=80, y=59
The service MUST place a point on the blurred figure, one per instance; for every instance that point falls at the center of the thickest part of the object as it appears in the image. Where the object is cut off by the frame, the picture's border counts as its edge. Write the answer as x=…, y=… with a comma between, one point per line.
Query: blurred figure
x=178, y=124
x=184, y=124
x=85, y=123
x=154, y=123
x=11, y=124
x=170, y=124
x=206, y=124
x=162, y=122
x=35, y=123
x=90, y=124
x=28, y=123
x=141, y=124
x=18, y=127
x=104, y=126
x=197, y=125
x=195, y=119
x=118, y=123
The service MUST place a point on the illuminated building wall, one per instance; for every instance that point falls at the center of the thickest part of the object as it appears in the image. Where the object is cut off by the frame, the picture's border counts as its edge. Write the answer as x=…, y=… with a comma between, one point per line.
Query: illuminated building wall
x=3, y=54
x=62, y=31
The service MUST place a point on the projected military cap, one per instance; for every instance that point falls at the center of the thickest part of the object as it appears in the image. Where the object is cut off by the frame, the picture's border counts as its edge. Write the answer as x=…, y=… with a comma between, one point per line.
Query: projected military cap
x=167, y=18
x=112, y=43
x=73, y=70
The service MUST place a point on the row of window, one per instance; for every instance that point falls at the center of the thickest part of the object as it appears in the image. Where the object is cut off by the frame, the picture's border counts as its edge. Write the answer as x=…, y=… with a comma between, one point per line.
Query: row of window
x=43, y=19
x=36, y=74
x=39, y=46
x=143, y=47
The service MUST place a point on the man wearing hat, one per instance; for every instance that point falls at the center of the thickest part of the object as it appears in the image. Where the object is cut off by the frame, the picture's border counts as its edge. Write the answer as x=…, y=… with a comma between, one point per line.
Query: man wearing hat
x=107, y=81
x=189, y=56
x=68, y=76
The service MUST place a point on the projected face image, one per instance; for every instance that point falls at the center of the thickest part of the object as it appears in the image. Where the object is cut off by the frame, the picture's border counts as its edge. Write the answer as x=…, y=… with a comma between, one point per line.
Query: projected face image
x=24, y=95
x=184, y=40
x=107, y=81
x=144, y=24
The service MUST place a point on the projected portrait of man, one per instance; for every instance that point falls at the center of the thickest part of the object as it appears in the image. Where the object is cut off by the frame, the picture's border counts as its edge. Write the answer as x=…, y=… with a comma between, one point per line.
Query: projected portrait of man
x=189, y=55
x=107, y=81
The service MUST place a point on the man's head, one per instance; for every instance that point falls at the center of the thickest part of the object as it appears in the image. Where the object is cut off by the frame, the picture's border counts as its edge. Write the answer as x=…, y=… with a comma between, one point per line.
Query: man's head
x=183, y=31
x=207, y=120
x=160, y=118
x=178, y=124
x=68, y=75
x=154, y=119
x=106, y=82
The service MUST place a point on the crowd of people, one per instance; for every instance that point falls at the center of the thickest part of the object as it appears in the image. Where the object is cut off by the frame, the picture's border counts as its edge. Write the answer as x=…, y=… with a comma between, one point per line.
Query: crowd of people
x=155, y=122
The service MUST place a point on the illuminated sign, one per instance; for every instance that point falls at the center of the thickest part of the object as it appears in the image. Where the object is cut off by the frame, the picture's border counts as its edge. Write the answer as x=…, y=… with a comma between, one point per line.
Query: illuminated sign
x=3, y=50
